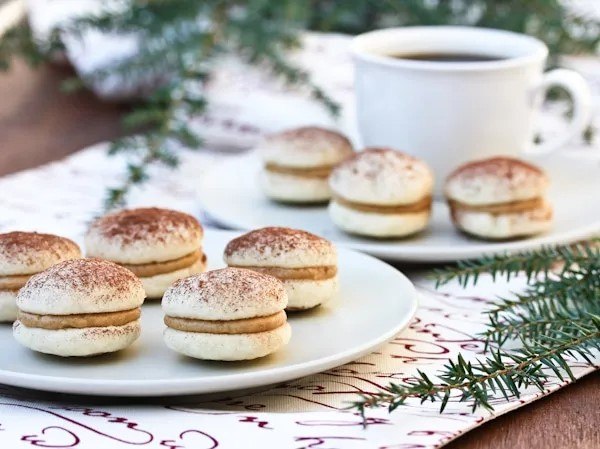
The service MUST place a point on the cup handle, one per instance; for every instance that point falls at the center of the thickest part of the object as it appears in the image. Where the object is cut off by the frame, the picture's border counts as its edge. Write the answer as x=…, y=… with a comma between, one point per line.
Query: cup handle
x=579, y=90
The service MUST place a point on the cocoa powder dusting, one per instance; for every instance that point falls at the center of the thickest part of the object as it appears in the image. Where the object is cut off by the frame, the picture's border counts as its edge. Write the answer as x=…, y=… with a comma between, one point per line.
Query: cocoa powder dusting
x=311, y=136
x=87, y=277
x=278, y=240
x=27, y=247
x=501, y=167
x=229, y=282
x=152, y=224
x=371, y=162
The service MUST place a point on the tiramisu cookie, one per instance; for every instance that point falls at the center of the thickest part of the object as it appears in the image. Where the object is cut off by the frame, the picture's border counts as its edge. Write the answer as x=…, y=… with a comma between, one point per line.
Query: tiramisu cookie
x=304, y=262
x=23, y=254
x=299, y=161
x=381, y=193
x=79, y=307
x=228, y=314
x=159, y=245
x=499, y=198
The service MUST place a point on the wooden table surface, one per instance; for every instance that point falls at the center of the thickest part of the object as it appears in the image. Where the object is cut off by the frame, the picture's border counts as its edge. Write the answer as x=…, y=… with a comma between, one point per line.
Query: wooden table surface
x=38, y=124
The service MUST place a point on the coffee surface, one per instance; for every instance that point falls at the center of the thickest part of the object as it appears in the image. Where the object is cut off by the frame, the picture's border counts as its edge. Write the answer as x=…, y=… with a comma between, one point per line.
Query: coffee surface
x=448, y=57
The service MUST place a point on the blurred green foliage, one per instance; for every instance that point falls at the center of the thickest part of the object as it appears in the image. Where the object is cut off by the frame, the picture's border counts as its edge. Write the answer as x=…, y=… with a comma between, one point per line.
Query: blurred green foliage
x=180, y=39
x=557, y=23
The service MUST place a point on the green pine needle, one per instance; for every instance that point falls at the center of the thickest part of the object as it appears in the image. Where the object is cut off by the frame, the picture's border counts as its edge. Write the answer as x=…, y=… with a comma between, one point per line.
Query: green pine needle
x=557, y=316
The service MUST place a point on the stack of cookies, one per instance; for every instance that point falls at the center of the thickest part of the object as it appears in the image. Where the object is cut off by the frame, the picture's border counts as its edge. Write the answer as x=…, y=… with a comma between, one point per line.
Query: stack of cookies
x=297, y=163
x=384, y=193
x=304, y=262
x=23, y=254
x=68, y=306
x=79, y=307
x=228, y=314
x=499, y=198
x=159, y=246
x=381, y=193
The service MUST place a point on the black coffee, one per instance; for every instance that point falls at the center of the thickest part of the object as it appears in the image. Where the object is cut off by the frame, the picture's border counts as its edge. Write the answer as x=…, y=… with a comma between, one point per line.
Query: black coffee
x=448, y=57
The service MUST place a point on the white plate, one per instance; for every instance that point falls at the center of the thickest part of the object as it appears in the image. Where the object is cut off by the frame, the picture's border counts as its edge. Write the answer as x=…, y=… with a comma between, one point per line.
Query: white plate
x=231, y=195
x=359, y=320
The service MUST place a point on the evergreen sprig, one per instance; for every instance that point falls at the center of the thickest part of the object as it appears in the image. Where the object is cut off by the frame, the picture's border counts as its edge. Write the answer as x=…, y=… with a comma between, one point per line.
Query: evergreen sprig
x=528, y=263
x=503, y=372
x=179, y=41
x=19, y=40
x=557, y=317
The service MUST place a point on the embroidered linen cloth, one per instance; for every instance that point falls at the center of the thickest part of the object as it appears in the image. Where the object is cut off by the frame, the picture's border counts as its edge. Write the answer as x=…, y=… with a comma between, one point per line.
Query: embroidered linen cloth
x=309, y=412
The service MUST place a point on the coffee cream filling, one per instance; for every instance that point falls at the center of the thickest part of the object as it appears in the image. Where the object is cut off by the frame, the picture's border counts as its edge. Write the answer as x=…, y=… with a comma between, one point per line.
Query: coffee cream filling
x=78, y=321
x=287, y=274
x=502, y=208
x=244, y=326
x=303, y=172
x=422, y=205
x=15, y=282
x=155, y=268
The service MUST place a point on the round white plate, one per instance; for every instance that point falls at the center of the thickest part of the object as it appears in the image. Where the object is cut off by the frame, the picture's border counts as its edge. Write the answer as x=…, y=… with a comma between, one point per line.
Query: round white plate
x=357, y=321
x=231, y=195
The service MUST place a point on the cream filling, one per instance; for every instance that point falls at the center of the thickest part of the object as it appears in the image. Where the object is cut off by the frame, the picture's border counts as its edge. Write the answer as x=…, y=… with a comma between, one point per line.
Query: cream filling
x=418, y=206
x=305, y=273
x=78, y=321
x=303, y=172
x=156, y=268
x=502, y=208
x=14, y=282
x=243, y=326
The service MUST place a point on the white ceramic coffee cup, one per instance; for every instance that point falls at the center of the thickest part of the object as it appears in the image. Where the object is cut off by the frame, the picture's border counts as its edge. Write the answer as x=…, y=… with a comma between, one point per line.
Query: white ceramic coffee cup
x=451, y=112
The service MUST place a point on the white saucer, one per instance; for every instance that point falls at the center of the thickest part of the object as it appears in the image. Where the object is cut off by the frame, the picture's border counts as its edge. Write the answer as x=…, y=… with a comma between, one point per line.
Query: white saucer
x=231, y=195
x=359, y=320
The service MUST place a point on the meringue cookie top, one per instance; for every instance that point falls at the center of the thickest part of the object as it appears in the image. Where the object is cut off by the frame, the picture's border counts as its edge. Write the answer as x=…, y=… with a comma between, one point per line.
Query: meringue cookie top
x=226, y=294
x=494, y=181
x=280, y=247
x=81, y=286
x=305, y=148
x=144, y=235
x=29, y=252
x=382, y=176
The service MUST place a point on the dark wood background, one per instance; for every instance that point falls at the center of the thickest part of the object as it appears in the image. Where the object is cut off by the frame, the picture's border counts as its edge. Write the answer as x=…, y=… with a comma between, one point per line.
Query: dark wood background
x=39, y=124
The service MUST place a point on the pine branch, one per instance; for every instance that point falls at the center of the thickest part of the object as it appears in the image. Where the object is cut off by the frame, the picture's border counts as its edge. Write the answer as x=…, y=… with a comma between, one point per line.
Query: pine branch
x=530, y=263
x=550, y=305
x=554, y=293
x=155, y=147
x=504, y=372
x=538, y=328
x=18, y=41
x=179, y=47
x=557, y=316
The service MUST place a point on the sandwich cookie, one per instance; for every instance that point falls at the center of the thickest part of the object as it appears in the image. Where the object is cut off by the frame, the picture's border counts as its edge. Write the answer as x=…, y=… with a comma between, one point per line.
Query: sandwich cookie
x=304, y=262
x=227, y=314
x=499, y=198
x=23, y=254
x=297, y=163
x=159, y=245
x=79, y=307
x=381, y=193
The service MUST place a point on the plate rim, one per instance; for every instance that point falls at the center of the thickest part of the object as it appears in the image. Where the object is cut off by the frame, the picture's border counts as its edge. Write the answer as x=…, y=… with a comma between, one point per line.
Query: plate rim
x=215, y=383
x=412, y=252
